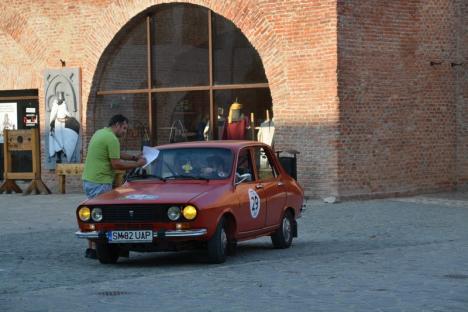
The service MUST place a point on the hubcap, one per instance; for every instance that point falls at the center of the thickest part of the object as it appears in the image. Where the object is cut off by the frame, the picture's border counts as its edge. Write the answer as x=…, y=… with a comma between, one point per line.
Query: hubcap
x=286, y=229
x=224, y=240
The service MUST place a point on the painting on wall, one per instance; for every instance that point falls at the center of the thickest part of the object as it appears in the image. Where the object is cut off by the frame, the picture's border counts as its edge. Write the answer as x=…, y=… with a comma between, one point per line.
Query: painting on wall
x=63, y=103
x=8, y=118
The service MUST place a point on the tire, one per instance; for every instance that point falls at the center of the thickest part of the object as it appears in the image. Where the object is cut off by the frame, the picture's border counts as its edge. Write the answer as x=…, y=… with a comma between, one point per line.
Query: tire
x=231, y=247
x=218, y=244
x=283, y=236
x=107, y=253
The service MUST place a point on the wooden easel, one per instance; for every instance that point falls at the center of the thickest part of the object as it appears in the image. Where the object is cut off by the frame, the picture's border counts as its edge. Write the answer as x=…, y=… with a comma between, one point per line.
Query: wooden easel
x=22, y=140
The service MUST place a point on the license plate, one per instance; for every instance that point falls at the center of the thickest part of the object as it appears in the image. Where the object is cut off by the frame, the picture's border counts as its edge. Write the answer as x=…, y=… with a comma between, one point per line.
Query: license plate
x=130, y=236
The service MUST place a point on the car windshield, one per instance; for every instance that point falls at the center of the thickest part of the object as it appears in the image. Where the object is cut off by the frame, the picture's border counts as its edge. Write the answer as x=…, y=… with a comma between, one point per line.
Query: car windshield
x=192, y=163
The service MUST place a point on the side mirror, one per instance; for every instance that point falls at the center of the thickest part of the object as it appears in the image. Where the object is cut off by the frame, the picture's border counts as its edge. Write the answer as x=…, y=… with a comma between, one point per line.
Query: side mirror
x=243, y=177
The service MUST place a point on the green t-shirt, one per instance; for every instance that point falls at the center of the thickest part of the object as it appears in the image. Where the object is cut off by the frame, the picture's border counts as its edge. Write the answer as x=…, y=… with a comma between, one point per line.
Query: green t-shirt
x=103, y=147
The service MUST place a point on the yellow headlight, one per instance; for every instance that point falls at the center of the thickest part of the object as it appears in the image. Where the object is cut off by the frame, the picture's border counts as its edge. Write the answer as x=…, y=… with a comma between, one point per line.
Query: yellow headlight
x=84, y=213
x=189, y=212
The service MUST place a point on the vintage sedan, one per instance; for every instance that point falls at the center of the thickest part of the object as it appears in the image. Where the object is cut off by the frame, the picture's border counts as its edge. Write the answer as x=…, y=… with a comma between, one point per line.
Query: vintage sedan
x=196, y=195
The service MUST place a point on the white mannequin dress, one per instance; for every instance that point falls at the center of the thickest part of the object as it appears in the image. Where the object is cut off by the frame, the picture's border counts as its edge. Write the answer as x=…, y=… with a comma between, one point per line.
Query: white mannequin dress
x=62, y=138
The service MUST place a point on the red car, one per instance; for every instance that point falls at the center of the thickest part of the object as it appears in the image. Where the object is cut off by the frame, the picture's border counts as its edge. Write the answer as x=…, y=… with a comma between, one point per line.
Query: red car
x=199, y=194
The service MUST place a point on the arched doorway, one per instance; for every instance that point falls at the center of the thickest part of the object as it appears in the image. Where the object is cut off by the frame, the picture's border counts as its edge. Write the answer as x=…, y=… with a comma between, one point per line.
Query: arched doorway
x=175, y=71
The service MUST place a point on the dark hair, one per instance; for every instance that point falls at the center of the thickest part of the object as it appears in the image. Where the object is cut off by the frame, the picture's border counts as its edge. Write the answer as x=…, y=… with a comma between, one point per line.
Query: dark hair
x=118, y=119
x=215, y=160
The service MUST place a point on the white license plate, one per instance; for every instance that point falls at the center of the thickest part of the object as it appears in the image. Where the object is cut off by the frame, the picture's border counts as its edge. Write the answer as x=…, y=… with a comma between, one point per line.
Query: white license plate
x=130, y=236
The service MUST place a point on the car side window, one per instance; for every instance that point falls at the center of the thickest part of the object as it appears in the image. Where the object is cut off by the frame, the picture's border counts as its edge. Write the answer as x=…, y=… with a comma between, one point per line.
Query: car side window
x=244, y=169
x=265, y=168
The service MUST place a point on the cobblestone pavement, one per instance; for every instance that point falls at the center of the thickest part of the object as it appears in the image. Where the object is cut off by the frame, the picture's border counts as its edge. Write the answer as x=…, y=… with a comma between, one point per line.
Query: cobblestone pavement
x=402, y=254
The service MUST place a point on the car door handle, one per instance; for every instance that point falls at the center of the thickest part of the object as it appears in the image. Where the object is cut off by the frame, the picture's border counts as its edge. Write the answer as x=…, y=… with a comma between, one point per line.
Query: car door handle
x=280, y=183
x=259, y=186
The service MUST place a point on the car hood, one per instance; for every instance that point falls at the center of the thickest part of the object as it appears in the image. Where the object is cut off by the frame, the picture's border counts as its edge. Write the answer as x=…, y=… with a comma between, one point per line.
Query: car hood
x=143, y=192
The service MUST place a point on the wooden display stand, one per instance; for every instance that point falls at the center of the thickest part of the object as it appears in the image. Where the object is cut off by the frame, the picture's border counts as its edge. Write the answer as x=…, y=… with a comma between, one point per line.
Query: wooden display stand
x=64, y=170
x=22, y=140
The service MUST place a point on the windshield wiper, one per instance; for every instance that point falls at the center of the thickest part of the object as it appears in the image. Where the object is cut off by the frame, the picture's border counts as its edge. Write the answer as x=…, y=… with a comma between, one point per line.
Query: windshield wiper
x=145, y=176
x=186, y=177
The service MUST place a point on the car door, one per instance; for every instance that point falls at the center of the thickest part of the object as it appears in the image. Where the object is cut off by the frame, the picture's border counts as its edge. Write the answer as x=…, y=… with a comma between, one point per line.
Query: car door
x=270, y=183
x=251, y=197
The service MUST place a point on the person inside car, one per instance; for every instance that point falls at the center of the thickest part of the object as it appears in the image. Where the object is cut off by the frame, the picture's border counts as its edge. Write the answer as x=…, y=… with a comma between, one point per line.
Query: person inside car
x=214, y=168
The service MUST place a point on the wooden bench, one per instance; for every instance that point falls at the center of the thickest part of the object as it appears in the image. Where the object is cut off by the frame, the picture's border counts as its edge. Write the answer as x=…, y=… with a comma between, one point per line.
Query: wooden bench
x=64, y=170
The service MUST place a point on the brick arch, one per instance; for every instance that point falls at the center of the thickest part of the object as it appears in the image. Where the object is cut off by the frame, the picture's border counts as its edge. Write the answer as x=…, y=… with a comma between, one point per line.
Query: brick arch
x=23, y=48
x=20, y=74
x=25, y=73
x=245, y=14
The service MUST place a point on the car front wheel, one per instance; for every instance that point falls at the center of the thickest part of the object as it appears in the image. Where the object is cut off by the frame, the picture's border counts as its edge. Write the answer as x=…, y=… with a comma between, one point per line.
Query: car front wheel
x=283, y=236
x=107, y=253
x=218, y=244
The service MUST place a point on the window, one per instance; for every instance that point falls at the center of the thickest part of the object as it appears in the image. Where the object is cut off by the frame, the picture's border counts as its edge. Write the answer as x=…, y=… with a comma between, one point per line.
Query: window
x=244, y=170
x=127, y=63
x=235, y=61
x=135, y=109
x=181, y=116
x=265, y=168
x=176, y=79
x=197, y=163
x=179, y=47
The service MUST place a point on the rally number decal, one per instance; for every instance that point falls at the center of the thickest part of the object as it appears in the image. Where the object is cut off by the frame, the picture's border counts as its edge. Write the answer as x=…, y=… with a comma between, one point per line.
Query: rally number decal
x=254, y=203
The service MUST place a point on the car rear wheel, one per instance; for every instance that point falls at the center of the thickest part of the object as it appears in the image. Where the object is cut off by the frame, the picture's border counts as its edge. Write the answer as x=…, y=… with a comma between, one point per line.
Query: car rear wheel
x=107, y=253
x=283, y=236
x=231, y=247
x=218, y=244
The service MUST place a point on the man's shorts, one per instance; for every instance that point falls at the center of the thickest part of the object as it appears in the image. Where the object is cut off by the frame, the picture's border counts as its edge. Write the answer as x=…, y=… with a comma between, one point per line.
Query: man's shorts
x=92, y=189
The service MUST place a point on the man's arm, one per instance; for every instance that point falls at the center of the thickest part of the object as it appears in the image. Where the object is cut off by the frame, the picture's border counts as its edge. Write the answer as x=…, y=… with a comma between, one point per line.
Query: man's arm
x=126, y=156
x=118, y=164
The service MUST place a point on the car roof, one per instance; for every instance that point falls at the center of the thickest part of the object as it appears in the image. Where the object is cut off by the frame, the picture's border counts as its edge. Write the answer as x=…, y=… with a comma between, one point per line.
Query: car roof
x=230, y=144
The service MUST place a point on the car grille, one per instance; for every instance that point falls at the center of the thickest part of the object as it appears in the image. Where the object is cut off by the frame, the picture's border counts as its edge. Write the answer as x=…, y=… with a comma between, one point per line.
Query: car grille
x=135, y=213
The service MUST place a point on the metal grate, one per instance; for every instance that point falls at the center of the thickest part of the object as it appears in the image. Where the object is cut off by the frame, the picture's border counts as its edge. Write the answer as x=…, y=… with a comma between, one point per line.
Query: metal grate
x=456, y=276
x=113, y=293
x=135, y=213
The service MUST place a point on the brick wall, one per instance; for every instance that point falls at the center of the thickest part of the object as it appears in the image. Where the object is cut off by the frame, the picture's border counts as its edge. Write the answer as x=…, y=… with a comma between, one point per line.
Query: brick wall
x=295, y=39
x=461, y=72
x=351, y=82
x=306, y=113
x=398, y=113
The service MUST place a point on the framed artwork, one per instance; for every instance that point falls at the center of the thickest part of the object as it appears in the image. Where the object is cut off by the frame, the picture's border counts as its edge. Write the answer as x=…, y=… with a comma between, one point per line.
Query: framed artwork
x=63, y=128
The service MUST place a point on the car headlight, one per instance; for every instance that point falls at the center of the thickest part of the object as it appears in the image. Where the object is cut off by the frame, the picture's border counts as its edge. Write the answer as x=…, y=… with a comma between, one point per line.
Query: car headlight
x=173, y=213
x=84, y=213
x=189, y=212
x=96, y=214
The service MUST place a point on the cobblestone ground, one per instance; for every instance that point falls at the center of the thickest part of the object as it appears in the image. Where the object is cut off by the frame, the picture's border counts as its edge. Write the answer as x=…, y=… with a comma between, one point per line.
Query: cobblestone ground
x=403, y=254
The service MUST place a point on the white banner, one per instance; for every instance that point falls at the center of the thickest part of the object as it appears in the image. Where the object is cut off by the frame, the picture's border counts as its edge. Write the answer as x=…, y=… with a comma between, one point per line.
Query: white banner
x=8, y=118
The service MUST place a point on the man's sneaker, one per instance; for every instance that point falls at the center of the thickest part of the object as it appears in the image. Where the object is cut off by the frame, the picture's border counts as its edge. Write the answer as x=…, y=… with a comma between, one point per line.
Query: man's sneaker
x=91, y=253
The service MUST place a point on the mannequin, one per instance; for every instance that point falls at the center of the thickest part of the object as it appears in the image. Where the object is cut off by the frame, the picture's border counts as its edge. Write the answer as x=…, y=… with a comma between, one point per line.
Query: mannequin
x=237, y=123
x=62, y=140
x=265, y=135
x=7, y=124
x=235, y=113
x=267, y=130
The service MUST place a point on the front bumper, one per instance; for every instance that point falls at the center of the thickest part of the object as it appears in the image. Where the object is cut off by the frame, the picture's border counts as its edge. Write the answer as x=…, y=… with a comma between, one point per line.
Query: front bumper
x=156, y=234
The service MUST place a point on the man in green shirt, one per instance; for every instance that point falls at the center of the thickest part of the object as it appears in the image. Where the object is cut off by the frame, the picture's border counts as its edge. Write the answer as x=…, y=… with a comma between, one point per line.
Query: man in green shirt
x=102, y=159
